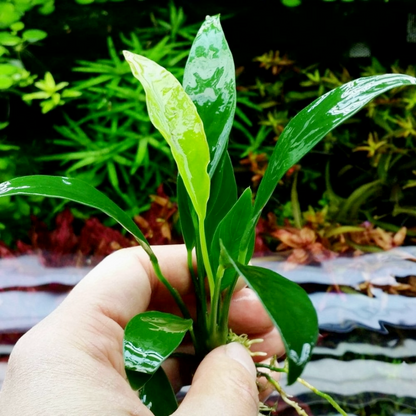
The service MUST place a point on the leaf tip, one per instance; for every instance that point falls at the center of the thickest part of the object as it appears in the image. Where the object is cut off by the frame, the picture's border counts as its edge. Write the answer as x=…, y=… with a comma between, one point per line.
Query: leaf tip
x=214, y=20
x=297, y=363
x=127, y=55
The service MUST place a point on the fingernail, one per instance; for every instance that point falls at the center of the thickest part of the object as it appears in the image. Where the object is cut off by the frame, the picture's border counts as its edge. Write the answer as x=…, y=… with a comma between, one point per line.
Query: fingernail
x=238, y=353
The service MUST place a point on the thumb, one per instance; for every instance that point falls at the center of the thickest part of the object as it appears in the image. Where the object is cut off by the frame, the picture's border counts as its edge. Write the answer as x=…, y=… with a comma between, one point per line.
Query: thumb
x=224, y=384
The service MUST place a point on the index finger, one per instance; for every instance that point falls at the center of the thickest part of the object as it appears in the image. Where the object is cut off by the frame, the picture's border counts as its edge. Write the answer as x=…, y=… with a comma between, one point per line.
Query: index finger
x=123, y=284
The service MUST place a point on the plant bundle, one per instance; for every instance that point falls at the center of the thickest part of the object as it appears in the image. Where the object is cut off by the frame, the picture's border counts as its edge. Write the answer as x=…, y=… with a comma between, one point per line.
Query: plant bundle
x=195, y=119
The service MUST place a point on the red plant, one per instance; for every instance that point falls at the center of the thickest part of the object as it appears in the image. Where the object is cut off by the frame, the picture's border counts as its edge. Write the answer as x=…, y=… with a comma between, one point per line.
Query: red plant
x=157, y=223
x=62, y=246
x=257, y=164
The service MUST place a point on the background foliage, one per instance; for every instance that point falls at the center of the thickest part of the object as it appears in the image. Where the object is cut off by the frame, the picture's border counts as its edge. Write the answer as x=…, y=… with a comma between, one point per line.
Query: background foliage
x=69, y=105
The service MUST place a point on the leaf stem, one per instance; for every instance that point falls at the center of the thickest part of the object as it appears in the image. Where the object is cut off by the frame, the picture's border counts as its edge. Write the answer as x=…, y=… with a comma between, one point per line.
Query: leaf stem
x=271, y=368
x=175, y=294
x=283, y=395
x=172, y=290
x=229, y=293
x=205, y=257
x=226, y=304
x=297, y=215
x=192, y=273
x=215, y=306
x=201, y=276
x=327, y=397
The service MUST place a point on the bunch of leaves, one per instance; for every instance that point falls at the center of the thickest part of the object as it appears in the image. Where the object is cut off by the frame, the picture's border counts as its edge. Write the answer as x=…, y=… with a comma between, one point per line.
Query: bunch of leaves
x=318, y=239
x=195, y=119
x=313, y=236
x=95, y=1
x=296, y=3
x=113, y=143
x=14, y=40
x=16, y=78
x=372, y=167
x=159, y=222
x=66, y=245
x=72, y=239
x=49, y=94
x=15, y=212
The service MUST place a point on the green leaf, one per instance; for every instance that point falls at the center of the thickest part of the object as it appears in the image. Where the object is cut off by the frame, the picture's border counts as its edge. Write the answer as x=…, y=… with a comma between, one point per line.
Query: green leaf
x=292, y=3
x=174, y=115
x=186, y=212
x=230, y=231
x=350, y=206
x=137, y=380
x=47, y=8
x=209, y=80
x=61, y=85
x=158, y=396
x=5, y=82
x=34, y=35
x=71, y=93
x=7, y=69
x=3, y=50
x=74, y=190
x=315, y=121
x=289, y=308
x=17, y=26
x=8, y=14
x=56, y=98
x=223, y=196
x=7, y=39
x=150, y=338
x=49, y=83
x=93, y=81
x=41, y=95
x=47, y=106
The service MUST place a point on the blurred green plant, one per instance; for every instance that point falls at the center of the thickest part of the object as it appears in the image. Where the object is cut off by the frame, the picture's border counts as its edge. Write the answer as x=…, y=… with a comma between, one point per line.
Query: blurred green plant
x=14, y=212
x=372, y=168
x=14, y=39
x=49, y=94
x=12, y=11
x=296, y=3
x=114, y=142
x=96, y=1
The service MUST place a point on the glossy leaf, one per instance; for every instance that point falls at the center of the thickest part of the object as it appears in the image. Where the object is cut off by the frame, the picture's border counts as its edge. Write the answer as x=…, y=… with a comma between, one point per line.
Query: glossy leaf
x=173, y=113
x=150, y=337
x=230, y=231
x=74, y=190
x=315, y=121
x=137, y=380
x=158, y=396
x=223, y=196
x=186, y=212
x=289, y=308
x=209, y=80
x=250, y=245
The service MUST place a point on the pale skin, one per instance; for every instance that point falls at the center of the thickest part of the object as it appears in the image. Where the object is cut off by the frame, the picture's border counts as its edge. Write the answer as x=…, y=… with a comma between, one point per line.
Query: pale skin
x=71, y=363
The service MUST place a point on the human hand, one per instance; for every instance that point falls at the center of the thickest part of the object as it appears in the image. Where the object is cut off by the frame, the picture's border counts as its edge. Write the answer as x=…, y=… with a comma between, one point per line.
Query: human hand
x=71, y=363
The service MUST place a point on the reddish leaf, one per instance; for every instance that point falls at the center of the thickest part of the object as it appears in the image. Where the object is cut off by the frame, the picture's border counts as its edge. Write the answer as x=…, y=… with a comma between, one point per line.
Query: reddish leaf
x=97, y=241
x=157, y=223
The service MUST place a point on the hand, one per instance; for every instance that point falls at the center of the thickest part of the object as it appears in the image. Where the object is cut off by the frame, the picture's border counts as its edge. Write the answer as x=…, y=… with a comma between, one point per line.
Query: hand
x=71, y=363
